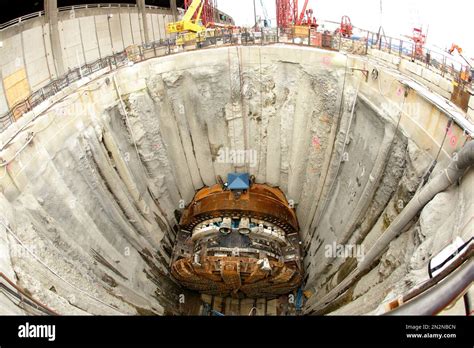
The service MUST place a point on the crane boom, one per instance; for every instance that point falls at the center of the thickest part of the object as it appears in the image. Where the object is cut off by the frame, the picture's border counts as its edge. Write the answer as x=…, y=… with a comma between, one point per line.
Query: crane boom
x=455, y=47
x=265, y=13
x=198, y=17
x=188, y=29
x=187, y=24
x=288, y=14
x=303, y=11
x=192, y=10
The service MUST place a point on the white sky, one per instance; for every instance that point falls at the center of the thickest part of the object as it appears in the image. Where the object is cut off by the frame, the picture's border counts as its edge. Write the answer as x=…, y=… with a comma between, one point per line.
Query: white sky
x=449, y=21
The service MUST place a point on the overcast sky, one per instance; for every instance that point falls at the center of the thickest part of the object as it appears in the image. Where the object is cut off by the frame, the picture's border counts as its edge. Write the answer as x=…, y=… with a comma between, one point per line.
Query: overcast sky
x=447, y=21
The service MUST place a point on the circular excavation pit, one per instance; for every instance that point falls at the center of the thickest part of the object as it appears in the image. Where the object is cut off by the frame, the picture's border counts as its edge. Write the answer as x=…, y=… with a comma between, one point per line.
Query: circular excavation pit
x=116, y=188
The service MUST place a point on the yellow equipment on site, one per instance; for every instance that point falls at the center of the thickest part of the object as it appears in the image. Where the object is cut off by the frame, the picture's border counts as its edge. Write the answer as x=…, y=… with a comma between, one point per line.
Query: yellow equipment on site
x=189, y=30
x=301, y=31
x=466, y=74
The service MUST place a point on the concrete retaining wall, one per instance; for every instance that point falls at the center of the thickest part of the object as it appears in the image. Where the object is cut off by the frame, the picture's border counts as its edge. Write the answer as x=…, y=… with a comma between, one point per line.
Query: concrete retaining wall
x=104, y=177
x=85, y=35
x=470, y=111
x=420, y=72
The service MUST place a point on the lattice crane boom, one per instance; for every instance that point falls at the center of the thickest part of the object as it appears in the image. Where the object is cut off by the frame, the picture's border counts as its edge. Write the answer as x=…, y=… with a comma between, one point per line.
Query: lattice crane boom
x=288, y=14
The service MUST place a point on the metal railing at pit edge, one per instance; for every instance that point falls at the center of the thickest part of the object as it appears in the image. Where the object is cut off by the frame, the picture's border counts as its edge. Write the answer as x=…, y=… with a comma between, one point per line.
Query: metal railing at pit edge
x=357, y=44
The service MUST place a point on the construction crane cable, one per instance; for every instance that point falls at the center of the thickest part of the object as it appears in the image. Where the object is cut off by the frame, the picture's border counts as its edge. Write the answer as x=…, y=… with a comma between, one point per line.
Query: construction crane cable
x=265, y=13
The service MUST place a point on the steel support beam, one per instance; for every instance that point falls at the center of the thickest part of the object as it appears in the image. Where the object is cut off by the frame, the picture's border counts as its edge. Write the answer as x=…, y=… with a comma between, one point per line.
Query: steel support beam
x=144, y=26
x=174, y=10
x=51, y=13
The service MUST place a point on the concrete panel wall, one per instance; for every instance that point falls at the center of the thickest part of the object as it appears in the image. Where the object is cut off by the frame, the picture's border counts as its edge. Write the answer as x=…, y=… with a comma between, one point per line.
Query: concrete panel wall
x=158, y=32
x=159, y=26
x=420, y=72
x=12, y=55
x=136, y=31
x=102, y=28
x=3, y=100
x=422, y=121
x=470, y=110
x=89, y=38
x=11, y=61
x=37, y=67
x=49, y=51
x=126, y=29
x=149, y=20
x=115, y=31
x=71, y=43
x=84, y=35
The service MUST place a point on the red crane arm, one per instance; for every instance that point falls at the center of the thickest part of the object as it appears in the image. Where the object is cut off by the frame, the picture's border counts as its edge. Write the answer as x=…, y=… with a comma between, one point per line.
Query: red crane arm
x=300, y=19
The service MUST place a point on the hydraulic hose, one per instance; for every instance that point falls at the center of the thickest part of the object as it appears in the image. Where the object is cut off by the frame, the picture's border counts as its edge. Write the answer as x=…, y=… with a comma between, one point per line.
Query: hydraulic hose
x=441, y=295
x=440, y=182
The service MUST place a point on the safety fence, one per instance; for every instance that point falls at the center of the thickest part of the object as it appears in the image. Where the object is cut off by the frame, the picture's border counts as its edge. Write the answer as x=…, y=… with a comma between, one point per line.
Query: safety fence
x=358, y=44
x=436, y=60
x=56, y=85
x=361, y=41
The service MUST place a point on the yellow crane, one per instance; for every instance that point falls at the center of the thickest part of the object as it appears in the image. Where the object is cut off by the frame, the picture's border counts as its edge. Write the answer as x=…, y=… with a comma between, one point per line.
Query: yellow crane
x=188, y=29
